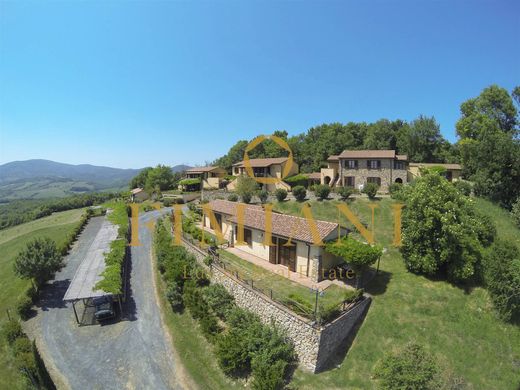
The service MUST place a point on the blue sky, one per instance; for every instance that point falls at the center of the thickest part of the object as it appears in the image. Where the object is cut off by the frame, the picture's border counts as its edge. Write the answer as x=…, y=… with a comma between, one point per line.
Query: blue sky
x=130, y=84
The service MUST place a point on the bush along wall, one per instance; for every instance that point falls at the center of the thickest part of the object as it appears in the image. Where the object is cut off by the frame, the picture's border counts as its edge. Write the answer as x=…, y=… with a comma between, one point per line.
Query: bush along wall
x=112, y=276
x=25, y=357
x=243, y=345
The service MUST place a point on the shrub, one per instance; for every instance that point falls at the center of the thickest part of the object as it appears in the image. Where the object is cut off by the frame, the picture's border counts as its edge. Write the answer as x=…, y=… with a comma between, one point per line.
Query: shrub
x=32, y=293
x=370, y=189
x=298, y=180
x=22, y=345
x=232, y=353
x=322, y=191
x=394, y=188
x=168, y=202
x=268, y=374
x=515, y=212
x=463, y=186
x=263, y=195
x=209, y=326
x=11, y=330
x=280, y=194
x=299, y=193
x=346, y=192
x=352, y=295
x=246, y=197
x=233, y=198
x=24, y=307
x=502, y=278
x=219, y=299
x=208, y=260
x=174, y=295
x=410, y=368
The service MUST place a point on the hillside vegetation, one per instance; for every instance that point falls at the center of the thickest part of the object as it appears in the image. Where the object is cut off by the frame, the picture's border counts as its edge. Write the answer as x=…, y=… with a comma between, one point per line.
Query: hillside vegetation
x=459, y=327
x=56, y=226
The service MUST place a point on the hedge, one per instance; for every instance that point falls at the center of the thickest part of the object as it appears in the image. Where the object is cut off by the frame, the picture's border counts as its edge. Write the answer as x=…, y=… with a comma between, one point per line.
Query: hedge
x=297, y=180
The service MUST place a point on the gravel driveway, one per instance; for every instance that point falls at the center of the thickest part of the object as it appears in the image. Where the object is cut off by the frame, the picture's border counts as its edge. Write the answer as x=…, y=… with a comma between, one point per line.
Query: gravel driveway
x=130, y=354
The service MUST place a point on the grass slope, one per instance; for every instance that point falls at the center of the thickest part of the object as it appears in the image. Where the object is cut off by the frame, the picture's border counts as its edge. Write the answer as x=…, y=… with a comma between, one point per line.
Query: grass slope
x=460, y=328
x=56, y=226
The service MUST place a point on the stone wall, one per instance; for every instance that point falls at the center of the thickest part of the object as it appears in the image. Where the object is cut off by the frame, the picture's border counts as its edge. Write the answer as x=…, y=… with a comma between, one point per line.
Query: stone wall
x=334, y=334
x=313, y=344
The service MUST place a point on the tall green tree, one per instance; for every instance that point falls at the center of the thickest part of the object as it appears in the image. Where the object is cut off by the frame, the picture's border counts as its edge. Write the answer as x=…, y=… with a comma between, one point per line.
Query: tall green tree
x=422, y=141
x=383, y=134
x=140, y=179
x=489, y=146
x=442, y=232
x=39, y=260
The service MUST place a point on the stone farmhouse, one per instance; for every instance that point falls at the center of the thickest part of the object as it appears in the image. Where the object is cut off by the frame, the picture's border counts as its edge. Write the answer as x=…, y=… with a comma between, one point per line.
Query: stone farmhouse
x=355, y=168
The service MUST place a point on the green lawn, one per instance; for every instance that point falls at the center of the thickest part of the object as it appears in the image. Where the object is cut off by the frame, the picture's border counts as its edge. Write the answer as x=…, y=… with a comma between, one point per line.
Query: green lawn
x=460, y=328
x=56, y=226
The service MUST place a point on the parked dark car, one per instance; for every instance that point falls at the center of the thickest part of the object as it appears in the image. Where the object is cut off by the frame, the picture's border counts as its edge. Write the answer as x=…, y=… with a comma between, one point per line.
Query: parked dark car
x=104, y=307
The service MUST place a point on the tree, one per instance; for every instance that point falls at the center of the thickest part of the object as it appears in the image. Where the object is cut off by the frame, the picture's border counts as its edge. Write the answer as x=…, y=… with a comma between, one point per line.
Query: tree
x=489, y=146
x=280, y=194
x=411, y=368
x=502, y=278
x=492, y=109
x=263, y=195
x=160, y=177
x=246, y=187
x=139, y=181
x=322, y=191
x=383, y=134
x=422, y=141
x=442, y=232
x=299, y=193
x=346, y=192
x=39, y=260
x=370, y=189
x=358, y=255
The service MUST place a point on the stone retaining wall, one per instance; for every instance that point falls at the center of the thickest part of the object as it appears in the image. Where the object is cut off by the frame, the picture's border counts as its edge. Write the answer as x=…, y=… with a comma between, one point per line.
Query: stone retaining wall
x=313, y=344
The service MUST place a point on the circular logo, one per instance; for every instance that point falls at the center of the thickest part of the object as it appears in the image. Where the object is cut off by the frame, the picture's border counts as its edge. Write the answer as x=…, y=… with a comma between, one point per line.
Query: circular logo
x=268, y=180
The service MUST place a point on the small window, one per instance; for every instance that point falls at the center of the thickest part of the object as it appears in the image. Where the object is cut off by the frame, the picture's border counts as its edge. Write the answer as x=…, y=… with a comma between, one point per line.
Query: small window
x=351, y=164
x=350, y=181
x=374, y=164
x=398, y=165
x=375, y=180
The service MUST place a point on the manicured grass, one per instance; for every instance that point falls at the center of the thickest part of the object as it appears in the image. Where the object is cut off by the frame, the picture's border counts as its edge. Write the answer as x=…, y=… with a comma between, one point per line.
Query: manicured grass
x=195, y=352
x=56, y=226
x=283, y=288
x=459, y=327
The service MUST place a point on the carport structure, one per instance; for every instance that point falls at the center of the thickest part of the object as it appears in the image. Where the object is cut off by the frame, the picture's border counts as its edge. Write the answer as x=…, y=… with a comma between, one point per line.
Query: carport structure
x=88, y=274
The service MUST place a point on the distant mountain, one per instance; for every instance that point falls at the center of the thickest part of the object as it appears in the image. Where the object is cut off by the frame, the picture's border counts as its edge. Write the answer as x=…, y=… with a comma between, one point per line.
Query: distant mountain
x=36, y=179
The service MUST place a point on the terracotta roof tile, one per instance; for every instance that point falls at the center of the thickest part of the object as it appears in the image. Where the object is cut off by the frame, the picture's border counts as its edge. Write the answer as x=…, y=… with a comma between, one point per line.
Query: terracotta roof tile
x=282, y=224
x=262, y=162
x=367, y=154
x=201, y=169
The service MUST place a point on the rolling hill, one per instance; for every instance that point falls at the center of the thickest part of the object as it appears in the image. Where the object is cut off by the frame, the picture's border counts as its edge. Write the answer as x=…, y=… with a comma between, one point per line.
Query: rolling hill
x=38, y=179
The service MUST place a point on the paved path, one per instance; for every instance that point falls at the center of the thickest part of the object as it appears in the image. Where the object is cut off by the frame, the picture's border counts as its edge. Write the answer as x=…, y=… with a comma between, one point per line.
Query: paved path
x=130, y=354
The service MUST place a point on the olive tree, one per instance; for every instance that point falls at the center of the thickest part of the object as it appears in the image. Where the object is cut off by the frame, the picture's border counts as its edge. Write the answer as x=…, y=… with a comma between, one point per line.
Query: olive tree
x=358, y=255
x=39, y=260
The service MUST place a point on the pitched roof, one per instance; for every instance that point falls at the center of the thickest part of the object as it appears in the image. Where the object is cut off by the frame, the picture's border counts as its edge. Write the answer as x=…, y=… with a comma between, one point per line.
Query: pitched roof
x=402, y=157
x=314, y=175
x=286, y=225
x=136, y=190
x=227, y=207
x=447, y=166
x=262, y=162
x=333, y=158
x=201, y=169
x=367, y=154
